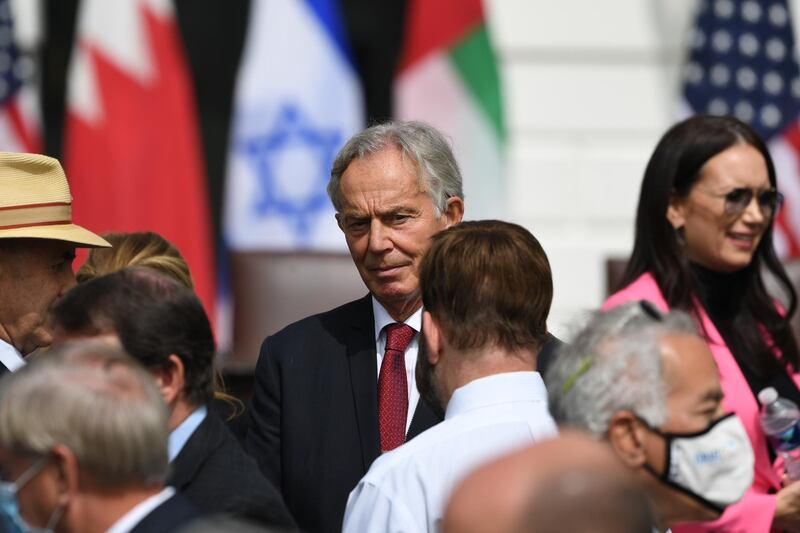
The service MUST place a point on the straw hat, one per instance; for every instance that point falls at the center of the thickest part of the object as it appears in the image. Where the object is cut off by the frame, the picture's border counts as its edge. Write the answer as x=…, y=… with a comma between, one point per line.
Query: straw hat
x=35, y=201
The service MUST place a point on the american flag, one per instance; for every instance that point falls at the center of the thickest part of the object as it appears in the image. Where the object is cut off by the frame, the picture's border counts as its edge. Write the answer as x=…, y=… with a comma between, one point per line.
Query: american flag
x=742, y=62
x=19, y=124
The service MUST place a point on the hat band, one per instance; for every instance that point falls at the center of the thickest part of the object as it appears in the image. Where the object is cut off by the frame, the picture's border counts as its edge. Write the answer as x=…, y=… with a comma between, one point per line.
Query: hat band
x=23, y=216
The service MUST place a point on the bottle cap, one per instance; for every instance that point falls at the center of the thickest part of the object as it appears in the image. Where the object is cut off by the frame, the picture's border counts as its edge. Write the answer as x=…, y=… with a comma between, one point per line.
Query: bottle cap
x=767, y=396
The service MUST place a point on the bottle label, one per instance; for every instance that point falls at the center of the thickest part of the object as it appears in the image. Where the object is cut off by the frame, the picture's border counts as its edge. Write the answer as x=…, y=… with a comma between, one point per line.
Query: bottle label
x=788, y=440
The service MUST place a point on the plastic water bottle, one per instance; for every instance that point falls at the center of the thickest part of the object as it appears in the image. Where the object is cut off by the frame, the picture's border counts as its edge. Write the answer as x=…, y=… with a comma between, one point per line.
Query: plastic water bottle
x=779, y=418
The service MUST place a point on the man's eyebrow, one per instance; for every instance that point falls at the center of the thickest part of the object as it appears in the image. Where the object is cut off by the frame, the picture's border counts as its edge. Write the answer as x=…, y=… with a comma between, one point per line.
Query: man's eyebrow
x=713, y=396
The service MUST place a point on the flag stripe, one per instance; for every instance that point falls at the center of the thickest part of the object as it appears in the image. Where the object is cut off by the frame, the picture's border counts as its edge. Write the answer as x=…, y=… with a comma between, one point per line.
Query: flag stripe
x=435, y=24
x=475, y=62
x=328, y=15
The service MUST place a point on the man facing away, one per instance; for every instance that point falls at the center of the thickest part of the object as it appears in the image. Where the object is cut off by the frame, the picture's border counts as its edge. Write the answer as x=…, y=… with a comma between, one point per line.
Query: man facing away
x=486, y=288
x=647, y=384
x=336, y=389
x=83, y=446
x=37, y=247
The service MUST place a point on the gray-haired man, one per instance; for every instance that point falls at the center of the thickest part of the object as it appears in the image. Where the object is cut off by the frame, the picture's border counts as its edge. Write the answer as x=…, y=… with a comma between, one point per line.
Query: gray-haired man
x=83, y=446
x=336, y=389
x=647, y=383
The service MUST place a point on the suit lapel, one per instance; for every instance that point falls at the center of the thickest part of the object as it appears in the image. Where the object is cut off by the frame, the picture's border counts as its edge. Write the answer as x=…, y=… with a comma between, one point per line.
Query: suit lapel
x=423, y=419
x=203, y=441
x=361, y=357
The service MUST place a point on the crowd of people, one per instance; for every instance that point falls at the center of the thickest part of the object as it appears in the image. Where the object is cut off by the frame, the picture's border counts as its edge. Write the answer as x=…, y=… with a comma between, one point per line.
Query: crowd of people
x=437, y=402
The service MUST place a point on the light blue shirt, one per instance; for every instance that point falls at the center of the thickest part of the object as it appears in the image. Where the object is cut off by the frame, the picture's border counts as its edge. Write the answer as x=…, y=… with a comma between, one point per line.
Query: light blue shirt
x=179, y=435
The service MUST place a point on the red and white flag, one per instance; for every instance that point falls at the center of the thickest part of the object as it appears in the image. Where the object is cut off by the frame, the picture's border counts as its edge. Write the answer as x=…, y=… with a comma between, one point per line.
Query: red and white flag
x=132, y=146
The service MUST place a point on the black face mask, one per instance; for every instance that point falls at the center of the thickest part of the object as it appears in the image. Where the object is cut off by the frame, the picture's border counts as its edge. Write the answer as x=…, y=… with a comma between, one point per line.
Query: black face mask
x=713, y=466
x=424, y=377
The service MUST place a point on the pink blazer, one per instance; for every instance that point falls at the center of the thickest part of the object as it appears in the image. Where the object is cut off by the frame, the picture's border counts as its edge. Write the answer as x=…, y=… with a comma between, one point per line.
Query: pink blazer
x=754, y=512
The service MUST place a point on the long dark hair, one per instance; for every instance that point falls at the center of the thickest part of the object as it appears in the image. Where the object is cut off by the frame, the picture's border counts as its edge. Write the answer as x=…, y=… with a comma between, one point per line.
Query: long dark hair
x=673, y=169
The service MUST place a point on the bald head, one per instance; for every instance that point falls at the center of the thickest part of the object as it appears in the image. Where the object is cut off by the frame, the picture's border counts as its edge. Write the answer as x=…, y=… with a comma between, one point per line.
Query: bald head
x=570, y=483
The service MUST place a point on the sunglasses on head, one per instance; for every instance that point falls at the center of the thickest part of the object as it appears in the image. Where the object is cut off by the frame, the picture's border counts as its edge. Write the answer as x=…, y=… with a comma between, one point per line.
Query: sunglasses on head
x=737, y=200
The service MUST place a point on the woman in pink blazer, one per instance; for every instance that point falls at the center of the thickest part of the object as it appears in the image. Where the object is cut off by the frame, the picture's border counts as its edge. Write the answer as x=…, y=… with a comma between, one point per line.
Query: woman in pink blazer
x=703, y=237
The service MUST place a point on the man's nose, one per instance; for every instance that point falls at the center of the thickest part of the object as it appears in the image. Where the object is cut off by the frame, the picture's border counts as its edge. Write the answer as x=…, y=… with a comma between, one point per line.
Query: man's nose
x=379, y=234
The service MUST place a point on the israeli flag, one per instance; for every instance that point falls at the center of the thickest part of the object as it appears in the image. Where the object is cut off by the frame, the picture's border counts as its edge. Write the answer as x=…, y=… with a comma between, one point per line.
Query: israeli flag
x=298, y=100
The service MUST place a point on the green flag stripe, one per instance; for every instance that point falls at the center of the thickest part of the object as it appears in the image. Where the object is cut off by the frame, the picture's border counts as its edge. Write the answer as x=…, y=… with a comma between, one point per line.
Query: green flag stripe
x=474, y=59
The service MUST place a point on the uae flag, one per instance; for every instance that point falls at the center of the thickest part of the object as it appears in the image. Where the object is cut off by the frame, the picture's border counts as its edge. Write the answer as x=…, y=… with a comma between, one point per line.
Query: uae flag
x=448, y=77
x=132, y=147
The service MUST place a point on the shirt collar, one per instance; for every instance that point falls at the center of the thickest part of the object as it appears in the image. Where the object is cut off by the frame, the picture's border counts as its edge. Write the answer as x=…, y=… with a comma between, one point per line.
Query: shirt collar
x=495, y=389
x=10, y=357
x=179, y=435
x=129, y=520
x=383, y=318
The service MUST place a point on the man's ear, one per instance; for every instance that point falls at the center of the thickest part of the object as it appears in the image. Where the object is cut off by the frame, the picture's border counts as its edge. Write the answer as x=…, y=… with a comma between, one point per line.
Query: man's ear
x=676, y=211
x=171, y=379
x=339, y=221
x=67, y=472
x=453, y=211
x=626, y=437
x=433, y=336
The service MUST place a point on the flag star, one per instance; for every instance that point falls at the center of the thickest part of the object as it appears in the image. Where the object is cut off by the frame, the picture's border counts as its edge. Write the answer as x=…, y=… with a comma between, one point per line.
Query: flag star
x=720, y=75
x=723, y=8
x=744, y=111
x=748, y=44
x=292, y=132
x=773, y=84
x=770, y=115
x=751, y=11
x=722, y=41
x=778, y=15
x=746, y=78
x=718, y=106
x=776, y=50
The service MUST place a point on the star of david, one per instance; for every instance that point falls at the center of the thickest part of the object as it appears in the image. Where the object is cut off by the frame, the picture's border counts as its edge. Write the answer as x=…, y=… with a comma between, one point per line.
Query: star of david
x=291, y=129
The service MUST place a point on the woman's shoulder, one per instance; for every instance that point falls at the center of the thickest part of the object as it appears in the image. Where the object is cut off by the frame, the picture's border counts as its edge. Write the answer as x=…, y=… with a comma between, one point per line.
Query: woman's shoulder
x=644, y=287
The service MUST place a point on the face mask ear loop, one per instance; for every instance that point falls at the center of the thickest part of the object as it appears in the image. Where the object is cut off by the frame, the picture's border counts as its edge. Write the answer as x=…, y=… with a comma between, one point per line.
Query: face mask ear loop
x=55, y=518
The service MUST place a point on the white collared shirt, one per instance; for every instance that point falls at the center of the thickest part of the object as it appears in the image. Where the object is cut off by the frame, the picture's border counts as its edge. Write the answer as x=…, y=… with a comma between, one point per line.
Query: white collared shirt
x=383, y=319
x=406, y=489
x=10, y=357
x=179, y=435
x=130, y=519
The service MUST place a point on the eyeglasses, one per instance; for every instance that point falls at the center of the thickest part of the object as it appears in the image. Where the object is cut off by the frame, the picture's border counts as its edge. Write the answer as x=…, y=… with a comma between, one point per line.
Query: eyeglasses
x=737, y=200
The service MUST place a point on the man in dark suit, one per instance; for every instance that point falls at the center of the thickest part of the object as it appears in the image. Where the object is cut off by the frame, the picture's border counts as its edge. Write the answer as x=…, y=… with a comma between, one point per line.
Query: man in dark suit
x=163, y=325
x=336, y=389
x=83, y=440
x=37, y=247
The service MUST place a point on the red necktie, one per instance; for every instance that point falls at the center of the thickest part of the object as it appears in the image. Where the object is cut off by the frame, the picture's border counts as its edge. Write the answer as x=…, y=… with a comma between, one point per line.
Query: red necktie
x=393, y=387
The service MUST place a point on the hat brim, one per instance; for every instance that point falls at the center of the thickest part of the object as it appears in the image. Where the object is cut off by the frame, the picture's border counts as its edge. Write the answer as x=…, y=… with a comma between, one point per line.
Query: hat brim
x=80, y=237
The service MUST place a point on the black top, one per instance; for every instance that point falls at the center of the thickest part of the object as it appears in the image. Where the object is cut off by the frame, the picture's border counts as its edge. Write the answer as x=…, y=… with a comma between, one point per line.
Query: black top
x=722, y=296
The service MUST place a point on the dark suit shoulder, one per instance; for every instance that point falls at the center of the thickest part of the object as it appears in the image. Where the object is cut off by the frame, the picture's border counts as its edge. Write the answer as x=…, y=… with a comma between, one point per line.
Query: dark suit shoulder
x=354, y=312
x=172, y=515
x=214, y=472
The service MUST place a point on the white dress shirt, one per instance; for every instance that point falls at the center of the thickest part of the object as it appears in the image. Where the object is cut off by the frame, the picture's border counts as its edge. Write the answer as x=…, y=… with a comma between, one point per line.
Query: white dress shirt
x=407, y=488
x=10, y=357
x=383, y=319
x=130, y=519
